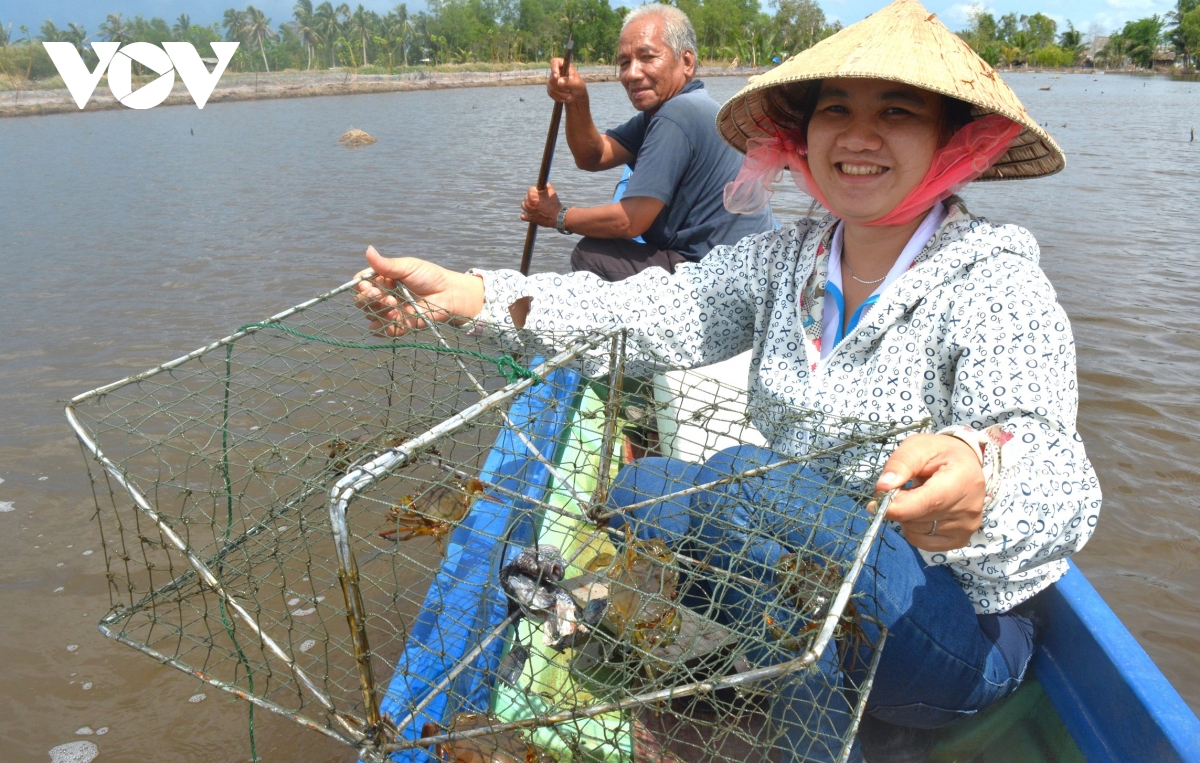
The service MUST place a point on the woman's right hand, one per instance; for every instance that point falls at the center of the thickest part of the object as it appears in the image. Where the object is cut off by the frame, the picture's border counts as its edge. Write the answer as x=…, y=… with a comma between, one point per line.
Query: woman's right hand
x=444, y=294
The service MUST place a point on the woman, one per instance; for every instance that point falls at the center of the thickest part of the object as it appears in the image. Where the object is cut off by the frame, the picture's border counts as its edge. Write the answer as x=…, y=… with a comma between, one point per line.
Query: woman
x=898, y=305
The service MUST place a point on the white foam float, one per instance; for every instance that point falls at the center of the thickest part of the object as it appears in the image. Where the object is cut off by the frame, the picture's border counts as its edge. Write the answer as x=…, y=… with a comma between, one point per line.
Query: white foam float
x=74, y=752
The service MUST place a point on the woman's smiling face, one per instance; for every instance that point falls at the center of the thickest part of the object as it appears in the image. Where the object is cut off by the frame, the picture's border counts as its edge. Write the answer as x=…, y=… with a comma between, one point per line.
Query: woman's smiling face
x=870, y=142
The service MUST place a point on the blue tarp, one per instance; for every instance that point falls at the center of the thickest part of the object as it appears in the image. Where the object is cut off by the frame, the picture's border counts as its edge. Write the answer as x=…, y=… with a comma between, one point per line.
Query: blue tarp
x=464, y=601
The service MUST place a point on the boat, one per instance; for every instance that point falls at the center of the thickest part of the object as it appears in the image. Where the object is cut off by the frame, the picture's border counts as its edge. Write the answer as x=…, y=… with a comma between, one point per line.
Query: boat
x=1093, y=693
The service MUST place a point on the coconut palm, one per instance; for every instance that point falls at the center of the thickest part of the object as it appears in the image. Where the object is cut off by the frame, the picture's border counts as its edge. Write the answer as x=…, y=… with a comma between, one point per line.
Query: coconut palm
x=305, y=27
x=1072, y=41
x=114, y=29
x=183, y=25
x=400, y=16
x=234, y=22
x=258, y=29
x=362, y=23
x=51, y=33
x=325, y=20
x=76, y=34
x=392, y=36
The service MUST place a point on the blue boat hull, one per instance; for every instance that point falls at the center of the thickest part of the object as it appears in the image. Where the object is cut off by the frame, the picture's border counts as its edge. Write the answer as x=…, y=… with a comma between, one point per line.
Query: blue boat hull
x=1111, y=696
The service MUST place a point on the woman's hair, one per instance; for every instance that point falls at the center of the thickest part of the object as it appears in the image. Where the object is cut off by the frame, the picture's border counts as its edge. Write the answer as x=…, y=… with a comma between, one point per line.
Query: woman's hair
x=792, y=104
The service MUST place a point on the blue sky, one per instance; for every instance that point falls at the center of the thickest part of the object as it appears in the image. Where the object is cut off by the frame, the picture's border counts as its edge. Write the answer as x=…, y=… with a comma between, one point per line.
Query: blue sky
x=1108, y=14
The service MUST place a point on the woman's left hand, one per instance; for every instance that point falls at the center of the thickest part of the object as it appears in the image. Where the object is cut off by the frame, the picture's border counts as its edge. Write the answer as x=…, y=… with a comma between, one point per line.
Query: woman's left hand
x=946, y=506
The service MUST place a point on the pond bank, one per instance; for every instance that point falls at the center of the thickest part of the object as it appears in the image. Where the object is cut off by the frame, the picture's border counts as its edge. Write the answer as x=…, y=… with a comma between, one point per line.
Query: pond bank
x=262, y=86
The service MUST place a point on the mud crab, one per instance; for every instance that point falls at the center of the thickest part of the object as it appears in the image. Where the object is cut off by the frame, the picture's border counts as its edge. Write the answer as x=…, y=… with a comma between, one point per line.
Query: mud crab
x=344, y=453
x=643, y=584
x=495, y=747
x=810, y=587
x=435, y=512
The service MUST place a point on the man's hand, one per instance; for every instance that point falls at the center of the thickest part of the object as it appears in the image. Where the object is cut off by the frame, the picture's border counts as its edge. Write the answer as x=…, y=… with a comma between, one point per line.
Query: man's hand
x=566, y=89
x=950, y=490
x=541, y=207
x=444, y=295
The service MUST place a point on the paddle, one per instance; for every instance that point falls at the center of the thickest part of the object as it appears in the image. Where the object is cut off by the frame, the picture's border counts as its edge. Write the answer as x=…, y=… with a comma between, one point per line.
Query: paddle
x=547, y=157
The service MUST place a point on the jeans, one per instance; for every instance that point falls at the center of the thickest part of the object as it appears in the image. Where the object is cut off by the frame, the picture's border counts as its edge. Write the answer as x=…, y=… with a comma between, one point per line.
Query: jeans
x=941, y=662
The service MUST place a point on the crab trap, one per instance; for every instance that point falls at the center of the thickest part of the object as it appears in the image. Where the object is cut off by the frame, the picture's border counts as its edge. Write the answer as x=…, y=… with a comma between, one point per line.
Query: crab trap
x=484, y=547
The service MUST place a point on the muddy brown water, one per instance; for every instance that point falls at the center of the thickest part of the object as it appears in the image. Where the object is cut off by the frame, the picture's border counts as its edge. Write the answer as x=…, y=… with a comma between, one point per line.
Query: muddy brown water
x=130, y=237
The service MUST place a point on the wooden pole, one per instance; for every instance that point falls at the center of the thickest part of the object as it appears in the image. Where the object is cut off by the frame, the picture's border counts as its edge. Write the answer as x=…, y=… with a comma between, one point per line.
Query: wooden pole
x=547, y=158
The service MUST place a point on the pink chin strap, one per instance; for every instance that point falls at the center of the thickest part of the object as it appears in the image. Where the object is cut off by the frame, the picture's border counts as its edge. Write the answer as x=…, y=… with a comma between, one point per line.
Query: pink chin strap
x=970, y=152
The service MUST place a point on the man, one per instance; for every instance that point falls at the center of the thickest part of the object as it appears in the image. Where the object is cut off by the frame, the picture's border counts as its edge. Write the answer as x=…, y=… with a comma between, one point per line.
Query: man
x=674, y=199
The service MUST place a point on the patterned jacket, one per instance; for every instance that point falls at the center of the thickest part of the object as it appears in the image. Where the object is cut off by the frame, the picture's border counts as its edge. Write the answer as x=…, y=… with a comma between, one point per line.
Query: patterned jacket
x=971, y=335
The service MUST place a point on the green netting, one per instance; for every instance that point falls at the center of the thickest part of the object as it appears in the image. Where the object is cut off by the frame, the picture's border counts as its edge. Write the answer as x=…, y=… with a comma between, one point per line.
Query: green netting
x=332, y=525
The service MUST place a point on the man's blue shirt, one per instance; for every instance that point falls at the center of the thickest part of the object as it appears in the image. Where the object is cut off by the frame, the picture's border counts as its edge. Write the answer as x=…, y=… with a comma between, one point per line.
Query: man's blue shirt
x=682, y=161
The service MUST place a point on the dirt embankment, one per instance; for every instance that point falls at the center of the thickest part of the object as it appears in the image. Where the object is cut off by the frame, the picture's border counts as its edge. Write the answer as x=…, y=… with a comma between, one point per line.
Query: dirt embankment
x=249, y=87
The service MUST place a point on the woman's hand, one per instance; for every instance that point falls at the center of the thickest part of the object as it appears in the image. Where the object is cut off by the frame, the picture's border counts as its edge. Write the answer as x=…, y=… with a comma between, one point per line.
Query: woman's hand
x=444, y=294
x=541, y=207
x=950, y=491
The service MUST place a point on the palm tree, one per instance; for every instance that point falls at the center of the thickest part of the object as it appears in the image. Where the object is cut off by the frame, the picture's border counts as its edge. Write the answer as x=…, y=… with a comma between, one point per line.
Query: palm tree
x=234, y=22
x=114, y=28
x=51, y=33
x=325, y=19
x=303, y=26
x=258, y=28
x=405, y=25
x=182, y=26
x=362, y=28
x=76, y=34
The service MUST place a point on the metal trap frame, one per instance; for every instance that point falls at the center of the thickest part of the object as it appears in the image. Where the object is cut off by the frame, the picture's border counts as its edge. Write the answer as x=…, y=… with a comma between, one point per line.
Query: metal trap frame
x=319, y=521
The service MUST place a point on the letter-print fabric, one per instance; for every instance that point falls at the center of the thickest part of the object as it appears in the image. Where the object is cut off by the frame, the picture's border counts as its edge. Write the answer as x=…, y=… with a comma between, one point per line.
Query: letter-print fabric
x=971, y=335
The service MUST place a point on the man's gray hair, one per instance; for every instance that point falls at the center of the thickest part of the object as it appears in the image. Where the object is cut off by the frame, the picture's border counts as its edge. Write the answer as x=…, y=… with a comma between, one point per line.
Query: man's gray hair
x=678, y=32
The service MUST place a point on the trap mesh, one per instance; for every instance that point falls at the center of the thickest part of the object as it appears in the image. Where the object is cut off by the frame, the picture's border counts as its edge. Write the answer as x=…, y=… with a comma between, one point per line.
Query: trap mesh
x=490, y=548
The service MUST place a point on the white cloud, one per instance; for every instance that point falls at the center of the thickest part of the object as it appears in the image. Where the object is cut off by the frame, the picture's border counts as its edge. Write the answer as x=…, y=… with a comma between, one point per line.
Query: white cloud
x=960, y=14
x=1128, y=5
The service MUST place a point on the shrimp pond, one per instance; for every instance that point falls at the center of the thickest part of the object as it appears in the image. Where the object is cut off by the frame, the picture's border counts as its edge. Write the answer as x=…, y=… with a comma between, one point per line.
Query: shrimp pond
x=130, y=237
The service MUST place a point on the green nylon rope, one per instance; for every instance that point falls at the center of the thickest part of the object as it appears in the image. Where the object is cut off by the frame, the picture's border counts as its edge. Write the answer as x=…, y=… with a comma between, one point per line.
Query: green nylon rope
x=228, y=526
x=508, y=367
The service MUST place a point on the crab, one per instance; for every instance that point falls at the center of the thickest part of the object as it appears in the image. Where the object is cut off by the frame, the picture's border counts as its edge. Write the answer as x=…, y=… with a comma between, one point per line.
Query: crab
x=343, y=453
x=809, y=587
x=495, y=747
x=435, y=512
x=643, y=585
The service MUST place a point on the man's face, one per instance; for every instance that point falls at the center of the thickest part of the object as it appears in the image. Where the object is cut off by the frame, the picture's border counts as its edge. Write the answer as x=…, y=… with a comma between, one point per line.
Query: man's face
x=650, y=72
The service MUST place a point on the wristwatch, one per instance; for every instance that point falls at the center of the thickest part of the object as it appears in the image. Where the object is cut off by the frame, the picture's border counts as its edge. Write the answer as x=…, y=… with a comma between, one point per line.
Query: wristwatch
x=561, y=225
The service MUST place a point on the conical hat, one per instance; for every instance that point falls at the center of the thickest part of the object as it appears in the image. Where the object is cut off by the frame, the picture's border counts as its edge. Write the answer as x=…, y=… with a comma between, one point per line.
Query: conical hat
x=902, y=43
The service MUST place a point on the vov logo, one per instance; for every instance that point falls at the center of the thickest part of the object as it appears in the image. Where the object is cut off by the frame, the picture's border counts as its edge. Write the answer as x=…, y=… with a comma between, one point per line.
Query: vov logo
x=172, y=57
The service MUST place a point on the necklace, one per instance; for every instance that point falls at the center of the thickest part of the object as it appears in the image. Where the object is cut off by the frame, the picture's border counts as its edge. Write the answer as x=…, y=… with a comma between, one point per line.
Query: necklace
x=856, y=278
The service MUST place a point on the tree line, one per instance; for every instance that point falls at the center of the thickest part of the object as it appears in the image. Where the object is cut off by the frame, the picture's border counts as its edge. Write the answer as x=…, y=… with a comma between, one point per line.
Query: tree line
x=326, y=36
x=503, y=32
x=1035, y=40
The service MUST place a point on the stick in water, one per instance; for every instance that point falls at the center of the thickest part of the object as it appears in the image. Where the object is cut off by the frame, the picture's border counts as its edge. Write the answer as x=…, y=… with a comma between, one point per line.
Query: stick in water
x=547, y=157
